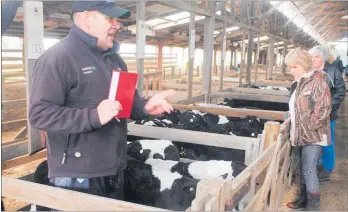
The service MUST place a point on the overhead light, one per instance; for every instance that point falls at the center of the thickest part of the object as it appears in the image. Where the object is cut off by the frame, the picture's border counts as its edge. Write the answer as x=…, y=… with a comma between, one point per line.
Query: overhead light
x=230, y=29
x=345, y=17
x=216, y=32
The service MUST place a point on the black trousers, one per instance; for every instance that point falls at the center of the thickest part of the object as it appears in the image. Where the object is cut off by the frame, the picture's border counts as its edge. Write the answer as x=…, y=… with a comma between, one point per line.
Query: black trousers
x=110, y=186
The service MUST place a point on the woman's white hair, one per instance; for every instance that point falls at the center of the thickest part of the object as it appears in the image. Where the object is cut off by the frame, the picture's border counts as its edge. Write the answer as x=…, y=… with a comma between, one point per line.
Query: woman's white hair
x=323, y=51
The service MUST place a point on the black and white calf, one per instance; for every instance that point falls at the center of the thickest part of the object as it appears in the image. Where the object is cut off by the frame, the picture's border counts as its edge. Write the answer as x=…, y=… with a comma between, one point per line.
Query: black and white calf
x=227, y=170
x=257, y=105
x=149, y=185
x=158, y=149
x=41, y=177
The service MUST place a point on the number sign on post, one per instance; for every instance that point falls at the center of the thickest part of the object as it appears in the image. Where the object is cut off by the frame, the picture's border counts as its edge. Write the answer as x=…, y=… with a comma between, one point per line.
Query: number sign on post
x=34, y=29
x=33, y=48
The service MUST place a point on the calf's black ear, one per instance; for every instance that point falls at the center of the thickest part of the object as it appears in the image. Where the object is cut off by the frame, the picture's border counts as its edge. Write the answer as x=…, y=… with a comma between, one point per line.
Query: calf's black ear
x=158, y=156
x=224, y=176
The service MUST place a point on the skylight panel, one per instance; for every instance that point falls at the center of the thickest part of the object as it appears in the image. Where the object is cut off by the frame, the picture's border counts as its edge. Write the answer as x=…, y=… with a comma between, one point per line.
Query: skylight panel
x=178, y=16
x=156, y=21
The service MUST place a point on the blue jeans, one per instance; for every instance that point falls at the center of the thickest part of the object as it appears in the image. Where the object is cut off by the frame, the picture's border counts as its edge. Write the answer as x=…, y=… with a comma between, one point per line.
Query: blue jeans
x=309, y=157
x=328, y=156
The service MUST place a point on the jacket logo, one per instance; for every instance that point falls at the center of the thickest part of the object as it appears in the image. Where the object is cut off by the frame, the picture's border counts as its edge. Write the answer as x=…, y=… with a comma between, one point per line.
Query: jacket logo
x=88, y=69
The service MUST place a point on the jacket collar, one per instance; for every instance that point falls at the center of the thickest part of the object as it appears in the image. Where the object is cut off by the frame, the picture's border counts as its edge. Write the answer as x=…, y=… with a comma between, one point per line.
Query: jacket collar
x=326, y=66
x=91, y=41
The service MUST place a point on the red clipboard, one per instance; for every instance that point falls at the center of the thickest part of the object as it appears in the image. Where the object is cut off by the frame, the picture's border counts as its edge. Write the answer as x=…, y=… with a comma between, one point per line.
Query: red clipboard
x=122, y=89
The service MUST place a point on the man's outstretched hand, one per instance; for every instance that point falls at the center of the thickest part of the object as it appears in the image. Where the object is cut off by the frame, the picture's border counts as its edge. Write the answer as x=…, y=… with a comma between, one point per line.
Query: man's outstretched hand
x=158, y=104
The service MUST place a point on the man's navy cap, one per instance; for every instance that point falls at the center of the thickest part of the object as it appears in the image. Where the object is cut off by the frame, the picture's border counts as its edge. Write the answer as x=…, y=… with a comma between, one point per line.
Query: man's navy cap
x=108, y=8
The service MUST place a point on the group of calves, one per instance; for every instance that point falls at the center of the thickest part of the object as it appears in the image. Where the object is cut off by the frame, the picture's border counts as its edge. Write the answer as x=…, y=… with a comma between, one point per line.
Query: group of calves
x=155, y=176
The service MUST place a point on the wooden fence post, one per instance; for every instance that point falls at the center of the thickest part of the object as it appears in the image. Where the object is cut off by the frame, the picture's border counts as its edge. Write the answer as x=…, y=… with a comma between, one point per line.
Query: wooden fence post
x=272, y=129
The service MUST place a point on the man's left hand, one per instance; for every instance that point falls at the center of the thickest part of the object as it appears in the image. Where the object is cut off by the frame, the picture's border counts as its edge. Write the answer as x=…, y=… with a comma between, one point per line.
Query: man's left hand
x=158, y=104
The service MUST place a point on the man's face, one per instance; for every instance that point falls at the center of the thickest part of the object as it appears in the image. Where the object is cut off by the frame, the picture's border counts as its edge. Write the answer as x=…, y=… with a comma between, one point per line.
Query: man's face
x=104, y=28
x=317, y=60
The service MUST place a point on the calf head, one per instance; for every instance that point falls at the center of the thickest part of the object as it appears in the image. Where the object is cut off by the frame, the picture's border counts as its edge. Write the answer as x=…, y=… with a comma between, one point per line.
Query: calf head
x=136, y=151
x=181, y=195
x=173, y=116
x=237, y=167
x=181, y=168
x=249, y=127
x=41, y=173
x=140, y=186
x=190, y=121
x=171, y=153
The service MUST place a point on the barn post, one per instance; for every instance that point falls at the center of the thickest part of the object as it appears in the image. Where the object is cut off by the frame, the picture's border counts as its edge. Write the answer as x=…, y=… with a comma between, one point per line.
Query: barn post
x=250, y=45
x=270, y=57
x=242, y=62
x=140, y=44
x=208, y=50
x=191, y=54
x=33, y=48
x=223, y=53
x=285, y=49
x=257, y=59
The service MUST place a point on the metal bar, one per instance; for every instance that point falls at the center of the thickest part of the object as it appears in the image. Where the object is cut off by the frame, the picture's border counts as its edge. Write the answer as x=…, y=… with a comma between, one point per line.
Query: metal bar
x=223, y=55
x=255, y=29
x=249, y=58
x=284, y=55
x=140, y=43
x=242, y=62
x=193, y=8
x=257, y=58
x=208, y=51
x=270, y=59
x=191, y=54
x=233, y=10
x=250, y=48
x=269, y=12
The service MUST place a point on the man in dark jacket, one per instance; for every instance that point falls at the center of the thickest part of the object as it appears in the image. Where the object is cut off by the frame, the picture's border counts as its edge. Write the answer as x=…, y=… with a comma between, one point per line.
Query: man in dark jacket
x=320, y=55
x=8, y=12
x=86, y=145
x=338, y=63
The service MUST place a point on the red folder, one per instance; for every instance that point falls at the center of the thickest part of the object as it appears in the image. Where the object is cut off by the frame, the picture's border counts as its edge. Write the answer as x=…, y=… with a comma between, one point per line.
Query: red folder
x=122, y=89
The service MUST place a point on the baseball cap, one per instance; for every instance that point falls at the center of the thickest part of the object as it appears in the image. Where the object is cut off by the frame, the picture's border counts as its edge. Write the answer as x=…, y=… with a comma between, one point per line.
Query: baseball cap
x=108, y=8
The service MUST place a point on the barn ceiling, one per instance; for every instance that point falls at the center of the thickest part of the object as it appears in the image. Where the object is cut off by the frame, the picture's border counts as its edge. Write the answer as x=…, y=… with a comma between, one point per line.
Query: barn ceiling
x=167, y=21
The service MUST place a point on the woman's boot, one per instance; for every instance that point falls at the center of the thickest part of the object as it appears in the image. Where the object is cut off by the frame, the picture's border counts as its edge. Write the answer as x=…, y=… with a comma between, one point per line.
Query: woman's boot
x=313, y=203
x=302, y=201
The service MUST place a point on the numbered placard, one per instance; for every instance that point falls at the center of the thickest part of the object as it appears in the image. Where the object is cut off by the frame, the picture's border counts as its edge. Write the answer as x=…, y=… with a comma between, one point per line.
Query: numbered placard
x=33, y=29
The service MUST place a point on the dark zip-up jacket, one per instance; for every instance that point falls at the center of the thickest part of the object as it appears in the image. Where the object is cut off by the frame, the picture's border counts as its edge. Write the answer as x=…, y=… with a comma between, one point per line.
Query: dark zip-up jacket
x=8, y=12
x=337, y=88
x=69, y=81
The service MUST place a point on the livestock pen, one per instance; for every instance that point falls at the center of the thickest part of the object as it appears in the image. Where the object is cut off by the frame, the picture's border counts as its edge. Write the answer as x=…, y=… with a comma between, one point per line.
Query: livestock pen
x=267, y=157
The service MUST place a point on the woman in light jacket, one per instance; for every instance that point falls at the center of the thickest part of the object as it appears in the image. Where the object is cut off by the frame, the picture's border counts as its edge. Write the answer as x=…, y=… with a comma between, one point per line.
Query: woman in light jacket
x=309, y=110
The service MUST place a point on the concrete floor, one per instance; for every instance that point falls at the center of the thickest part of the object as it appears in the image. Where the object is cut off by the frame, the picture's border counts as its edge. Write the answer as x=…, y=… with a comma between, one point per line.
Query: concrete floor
x=335, y=193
